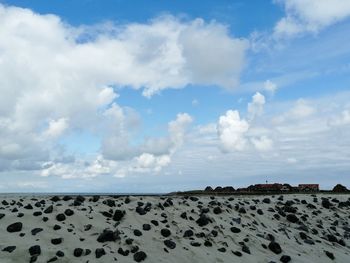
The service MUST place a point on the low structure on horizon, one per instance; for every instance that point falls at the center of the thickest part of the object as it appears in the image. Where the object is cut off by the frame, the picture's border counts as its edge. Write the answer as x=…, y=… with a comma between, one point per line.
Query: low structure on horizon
x=266, y=188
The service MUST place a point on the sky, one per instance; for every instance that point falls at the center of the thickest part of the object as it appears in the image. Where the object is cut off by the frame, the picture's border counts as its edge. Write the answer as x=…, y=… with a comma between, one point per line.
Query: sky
x=157, y=96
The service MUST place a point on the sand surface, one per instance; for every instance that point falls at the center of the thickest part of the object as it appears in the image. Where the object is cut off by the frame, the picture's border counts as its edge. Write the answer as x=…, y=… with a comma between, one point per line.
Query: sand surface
x=299, y=228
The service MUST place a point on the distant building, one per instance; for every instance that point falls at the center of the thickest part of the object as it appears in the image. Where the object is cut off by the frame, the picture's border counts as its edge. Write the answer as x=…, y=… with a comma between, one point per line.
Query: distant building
x=266, y=187
x=308, y=187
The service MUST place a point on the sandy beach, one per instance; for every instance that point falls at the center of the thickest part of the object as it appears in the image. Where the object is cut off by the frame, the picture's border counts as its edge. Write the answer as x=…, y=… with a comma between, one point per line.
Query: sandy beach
x=288, y=228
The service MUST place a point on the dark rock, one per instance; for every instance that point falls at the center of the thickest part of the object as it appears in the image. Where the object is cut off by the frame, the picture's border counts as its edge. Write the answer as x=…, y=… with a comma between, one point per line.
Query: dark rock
x=36, y=231
x=69, y=212
x=28, y=206
x=55, y=198
x=165, y=232
x=275, y=247
x=118, y=215
x=266, y=200
x=222, y=249
x=140, y=210
x=15, y=227
x=237, y=253
x=123, y=252
x=170, y=244
x=67, y=198
x=9, y=249
x=188, y=233
x=95, y=198
x=49, y=209
x=155, y=222
x=52, y=259
x=56, y=241
x=207, y=243
x=140, y=256
x=217, y=210
x=195, y=244
x=35, y=250
x=245, y=249
x=108, y=235
x=60, y=217
x=137, y=233
x=37, y=213
x=146, y=227
x=329, y=254
x=78, y=252
x=235, y=229
x=99, y=252
x=59, y=253
x=326, y=204
x=292, y=218
x=203, y=220
x=56, y=227
x=285, y=259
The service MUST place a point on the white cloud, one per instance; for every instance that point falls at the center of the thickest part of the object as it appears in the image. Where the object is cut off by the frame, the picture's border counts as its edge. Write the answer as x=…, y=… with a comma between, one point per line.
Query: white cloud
x=343, y=119
x=54, y=72
x=300, y=110
x=231, y=131
x=263, y=143
x=56, y=127
x=177, y=128
x=310, y=15
x=270, y=86
x=149, y=162
x=256, y=107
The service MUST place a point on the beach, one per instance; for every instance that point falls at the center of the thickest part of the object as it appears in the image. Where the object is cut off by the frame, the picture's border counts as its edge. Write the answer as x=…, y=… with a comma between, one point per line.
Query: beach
x=264, y=228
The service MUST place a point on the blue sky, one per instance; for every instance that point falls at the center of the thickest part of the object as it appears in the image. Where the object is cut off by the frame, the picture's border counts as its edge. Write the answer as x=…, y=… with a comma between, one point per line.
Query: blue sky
x=149, y=96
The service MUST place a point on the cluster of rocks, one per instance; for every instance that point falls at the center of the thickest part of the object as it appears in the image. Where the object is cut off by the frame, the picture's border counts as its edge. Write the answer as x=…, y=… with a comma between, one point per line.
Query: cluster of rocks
x=229, y=225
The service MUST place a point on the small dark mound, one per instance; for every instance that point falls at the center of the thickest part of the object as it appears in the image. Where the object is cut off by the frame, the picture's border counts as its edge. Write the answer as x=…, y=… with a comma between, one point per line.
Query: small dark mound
x=35, y=250
x=60, y=217
x=78, y=252
x=140, y=256
x=9, y=249
x=15, y=227
x=165, y=232
x=99, y=252
x=285, y=259
x=275, y=247
x=170, y=244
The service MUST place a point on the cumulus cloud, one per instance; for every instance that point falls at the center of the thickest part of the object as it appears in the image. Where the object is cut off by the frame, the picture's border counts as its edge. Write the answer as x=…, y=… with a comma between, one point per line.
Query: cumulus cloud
x=310, y=15
x=56, y=78
x=231, y=131
x=256, y=107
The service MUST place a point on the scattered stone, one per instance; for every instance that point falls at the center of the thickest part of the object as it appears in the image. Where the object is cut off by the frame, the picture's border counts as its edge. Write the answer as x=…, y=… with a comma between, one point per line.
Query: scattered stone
x=49, y=209
x=140, y=256
x=56, y=241
x=35, y=250
x=170, y=244
x=329, y=254
x=285, y=259
x=9, y=249
x=108, y=235
x=99, y=252
x=78, y=252
x=15, y=227
x=275, y=247
x=35, y=231
x=165, y=232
